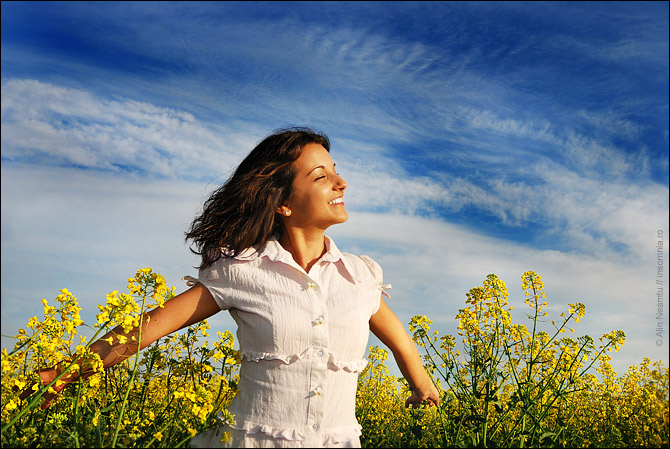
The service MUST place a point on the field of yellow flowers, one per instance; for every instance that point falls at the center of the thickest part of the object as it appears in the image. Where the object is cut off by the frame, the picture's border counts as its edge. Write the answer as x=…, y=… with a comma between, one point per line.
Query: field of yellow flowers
x=509, y=385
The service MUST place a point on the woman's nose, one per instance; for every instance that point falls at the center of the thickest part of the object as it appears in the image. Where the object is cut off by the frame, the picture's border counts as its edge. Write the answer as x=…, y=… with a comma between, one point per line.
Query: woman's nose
x=341, y=183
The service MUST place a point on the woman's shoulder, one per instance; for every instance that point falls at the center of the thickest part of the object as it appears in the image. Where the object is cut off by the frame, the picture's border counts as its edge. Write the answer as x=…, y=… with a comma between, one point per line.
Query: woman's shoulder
x=363, y=266
x=217, y=268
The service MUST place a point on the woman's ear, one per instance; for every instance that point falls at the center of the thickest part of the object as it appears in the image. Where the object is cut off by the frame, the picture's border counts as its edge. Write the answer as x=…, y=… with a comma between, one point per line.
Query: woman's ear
x=284, y=210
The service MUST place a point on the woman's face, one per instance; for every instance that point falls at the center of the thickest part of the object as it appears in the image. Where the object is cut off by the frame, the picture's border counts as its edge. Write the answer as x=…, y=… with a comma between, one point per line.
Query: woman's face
x=317, y=199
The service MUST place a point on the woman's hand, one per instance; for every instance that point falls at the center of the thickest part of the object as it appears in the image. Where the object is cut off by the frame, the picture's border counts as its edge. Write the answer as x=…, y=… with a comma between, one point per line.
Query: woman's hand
x=192, y=306
x=47, y=376
x=429, y=397
x=388, y=328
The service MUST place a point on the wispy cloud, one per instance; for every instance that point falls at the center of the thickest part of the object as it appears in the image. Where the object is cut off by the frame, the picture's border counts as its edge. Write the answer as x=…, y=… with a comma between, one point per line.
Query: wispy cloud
x=87, y=231
x=580, y=196
x=48, y=124
x=432, y=264
x=475, y=139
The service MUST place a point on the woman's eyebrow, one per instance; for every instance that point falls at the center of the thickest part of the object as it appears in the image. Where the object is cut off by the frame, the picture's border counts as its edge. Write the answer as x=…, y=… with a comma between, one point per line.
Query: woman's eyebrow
x=319, y=166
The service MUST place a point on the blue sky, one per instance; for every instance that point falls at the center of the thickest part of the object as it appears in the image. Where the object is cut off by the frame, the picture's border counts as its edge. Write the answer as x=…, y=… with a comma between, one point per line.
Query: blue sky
x=476, y=138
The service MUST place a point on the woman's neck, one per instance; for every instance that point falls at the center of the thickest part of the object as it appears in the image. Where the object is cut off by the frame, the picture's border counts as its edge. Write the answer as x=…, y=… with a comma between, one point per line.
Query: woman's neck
x=305, y=247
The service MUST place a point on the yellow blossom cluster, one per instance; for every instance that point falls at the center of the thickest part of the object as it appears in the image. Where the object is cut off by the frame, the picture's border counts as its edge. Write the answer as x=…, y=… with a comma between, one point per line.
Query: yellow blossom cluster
x=168, y=396
x=517, y=385
x=502, y=384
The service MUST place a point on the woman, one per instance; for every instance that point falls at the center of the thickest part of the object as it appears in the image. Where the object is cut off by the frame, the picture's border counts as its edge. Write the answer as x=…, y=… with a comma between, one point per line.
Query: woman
x=303, y=309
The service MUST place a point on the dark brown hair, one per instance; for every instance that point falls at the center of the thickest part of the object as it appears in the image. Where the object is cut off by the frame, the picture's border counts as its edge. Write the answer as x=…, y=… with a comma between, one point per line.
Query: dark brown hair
x=242, y=212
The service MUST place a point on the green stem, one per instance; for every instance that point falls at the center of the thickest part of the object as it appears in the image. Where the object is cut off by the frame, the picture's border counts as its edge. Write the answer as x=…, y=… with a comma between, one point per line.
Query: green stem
x=132, y=376
x=43, y=390
x=76, y=412
x=154, y=352
x=28, y=340
x=532, y=341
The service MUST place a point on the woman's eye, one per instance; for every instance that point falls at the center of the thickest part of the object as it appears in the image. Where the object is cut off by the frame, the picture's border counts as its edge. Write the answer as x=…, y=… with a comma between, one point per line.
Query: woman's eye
x=320, y=177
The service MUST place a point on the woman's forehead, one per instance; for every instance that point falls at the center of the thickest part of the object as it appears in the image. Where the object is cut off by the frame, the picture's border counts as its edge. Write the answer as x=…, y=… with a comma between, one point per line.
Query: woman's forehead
x=313, y=155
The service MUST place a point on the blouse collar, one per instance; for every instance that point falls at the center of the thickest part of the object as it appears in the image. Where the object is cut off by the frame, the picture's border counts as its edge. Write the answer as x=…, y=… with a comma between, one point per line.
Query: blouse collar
x=275, y=252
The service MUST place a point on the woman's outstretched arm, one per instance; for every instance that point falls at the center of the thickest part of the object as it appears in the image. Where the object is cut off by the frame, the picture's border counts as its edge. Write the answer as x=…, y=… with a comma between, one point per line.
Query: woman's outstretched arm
x=388, y=328
x=190, y=307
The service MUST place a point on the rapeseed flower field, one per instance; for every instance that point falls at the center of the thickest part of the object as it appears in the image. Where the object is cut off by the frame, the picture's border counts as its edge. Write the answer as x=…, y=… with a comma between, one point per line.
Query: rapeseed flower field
x=503, y=384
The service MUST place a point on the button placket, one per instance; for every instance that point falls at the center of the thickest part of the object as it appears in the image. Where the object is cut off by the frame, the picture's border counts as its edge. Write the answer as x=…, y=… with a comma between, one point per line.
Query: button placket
x=319, y=343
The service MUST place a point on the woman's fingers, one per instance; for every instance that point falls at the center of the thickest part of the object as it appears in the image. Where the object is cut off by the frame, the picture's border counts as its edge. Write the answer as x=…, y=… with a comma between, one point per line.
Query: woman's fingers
x=46, y=376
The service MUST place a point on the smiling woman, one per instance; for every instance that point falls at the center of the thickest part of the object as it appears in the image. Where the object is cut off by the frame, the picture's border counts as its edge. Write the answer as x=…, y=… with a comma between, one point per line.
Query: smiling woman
x=304, y=310
x=317, y=199
x=243, y=211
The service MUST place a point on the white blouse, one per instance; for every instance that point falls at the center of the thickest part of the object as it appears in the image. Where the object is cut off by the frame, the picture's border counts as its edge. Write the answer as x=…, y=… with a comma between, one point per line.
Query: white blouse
x=302, y=337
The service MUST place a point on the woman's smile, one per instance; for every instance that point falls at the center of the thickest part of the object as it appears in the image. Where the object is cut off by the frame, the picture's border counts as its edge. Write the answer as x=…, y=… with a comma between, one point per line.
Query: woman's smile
x=339, y=201
x=317, y=197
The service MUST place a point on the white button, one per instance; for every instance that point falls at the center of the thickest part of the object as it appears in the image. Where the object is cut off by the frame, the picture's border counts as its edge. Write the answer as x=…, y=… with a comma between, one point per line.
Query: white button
x=319, y=352
x=315, y=426
x=311, y=285
x=318, y=321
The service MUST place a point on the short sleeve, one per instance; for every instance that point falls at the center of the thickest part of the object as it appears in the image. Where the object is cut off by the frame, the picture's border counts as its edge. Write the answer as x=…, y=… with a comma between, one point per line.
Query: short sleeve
x=377, y=276
x=216, y=278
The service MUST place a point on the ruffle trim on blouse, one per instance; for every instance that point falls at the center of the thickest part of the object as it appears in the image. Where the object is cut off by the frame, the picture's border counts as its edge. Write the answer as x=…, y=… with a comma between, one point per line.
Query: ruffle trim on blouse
x=274, y=432
x=342, y=435
x=291, y=434
x=350, y=366
x=190, y=280
x=255, y=356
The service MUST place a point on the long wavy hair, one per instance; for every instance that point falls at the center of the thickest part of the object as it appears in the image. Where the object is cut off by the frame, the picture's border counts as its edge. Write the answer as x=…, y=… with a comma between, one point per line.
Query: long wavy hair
x=243, y=211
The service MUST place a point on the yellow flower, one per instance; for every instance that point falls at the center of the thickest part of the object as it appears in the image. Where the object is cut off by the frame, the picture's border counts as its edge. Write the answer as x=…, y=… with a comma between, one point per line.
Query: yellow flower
x=158, y=436
x=32, y=322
